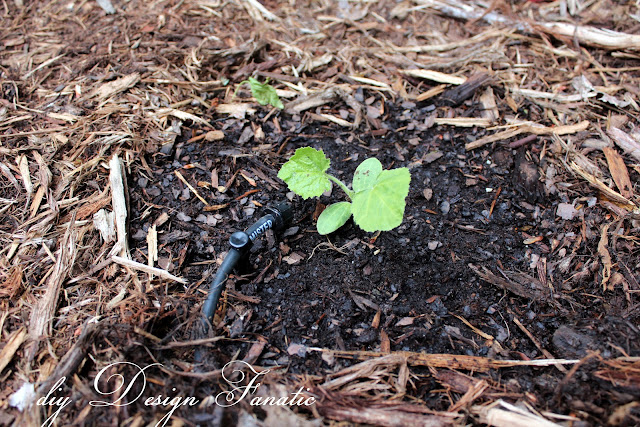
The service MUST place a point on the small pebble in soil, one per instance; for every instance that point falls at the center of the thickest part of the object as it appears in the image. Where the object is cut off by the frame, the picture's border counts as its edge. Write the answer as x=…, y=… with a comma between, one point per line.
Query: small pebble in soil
x=453, y=190
x=484, y=254
x=282, y=361
x=367, y=336
x=297, y=350
x=165, y=264
x=445, y=207
x=438, y=307
x=570, y=343
x=166, y=148
x=401, y=310
x=139, y=235
x=154, y=191
x=427, y=193
x=291, y=231
x=347, y=306
x=566, y=211
x=183, y=217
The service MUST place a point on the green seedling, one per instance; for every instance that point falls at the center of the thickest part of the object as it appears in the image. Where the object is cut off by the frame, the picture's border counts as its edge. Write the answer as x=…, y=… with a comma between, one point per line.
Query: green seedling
x=264, y=93
x=376, y=199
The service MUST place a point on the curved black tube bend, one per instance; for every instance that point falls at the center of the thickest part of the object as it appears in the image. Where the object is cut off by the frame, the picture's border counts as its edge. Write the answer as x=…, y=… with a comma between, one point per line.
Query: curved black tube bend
x=210, y=304
x=241, y=242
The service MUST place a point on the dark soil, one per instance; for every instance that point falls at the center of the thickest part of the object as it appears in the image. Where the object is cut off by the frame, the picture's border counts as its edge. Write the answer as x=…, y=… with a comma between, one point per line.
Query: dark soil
x=464, y=208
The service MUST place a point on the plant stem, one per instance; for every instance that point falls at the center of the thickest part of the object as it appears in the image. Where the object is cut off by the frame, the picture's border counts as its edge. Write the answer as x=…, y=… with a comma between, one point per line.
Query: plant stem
x=235, y=92
x=342, y=185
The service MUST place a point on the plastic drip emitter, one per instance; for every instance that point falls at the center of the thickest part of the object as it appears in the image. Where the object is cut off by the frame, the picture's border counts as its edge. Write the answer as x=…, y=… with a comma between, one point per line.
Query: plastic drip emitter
x=241, y=241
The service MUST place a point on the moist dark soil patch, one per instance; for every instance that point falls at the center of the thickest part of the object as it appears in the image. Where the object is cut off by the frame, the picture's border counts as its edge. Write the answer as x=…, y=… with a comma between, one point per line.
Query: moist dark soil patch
x=413, y=284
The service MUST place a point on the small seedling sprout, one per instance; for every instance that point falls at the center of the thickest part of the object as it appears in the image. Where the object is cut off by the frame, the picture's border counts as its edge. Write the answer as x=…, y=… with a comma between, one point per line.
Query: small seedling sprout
x=264, y=93
x=376, y=198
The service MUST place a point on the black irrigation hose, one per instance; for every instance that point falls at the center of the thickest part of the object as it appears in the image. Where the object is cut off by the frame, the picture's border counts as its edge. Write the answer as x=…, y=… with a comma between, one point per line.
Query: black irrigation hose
x=240, y=241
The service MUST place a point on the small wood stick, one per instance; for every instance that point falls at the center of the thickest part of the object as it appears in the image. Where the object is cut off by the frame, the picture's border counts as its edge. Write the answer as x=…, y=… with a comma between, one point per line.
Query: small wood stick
x=150, y=270
x=152, y=249
x=193, y=190
x=523, y=141
x=493, y=203
x=537, y=344
x=119, y=203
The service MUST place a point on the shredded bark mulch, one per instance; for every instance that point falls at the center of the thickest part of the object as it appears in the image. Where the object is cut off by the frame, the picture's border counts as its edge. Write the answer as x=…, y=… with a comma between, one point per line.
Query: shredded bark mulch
x=131, y=149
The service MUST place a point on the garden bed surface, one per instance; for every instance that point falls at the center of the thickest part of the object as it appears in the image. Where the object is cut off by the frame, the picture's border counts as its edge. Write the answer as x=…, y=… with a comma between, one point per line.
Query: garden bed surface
x=131, y=148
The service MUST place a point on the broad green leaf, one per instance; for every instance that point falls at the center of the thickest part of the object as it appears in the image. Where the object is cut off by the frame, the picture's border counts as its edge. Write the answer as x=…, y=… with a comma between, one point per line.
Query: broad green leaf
x=366, y=174
x=264, y=93
x=305, y=174
x=334, y=217
x=381, y=207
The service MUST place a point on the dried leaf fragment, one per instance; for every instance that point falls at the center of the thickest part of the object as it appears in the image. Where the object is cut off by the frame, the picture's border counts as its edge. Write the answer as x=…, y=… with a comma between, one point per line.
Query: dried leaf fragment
x=604, y=255
x=13, y=343
x=618, y=171
x=595, y=182
x=293, y=259
x=12, y=284
x=435, y=76
x=214, y=135
x=628, y=144
x=109, y=89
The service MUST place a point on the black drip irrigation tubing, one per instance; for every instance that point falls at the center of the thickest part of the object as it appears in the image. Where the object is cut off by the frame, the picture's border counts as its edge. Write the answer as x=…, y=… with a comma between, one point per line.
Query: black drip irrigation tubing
x=241, y=241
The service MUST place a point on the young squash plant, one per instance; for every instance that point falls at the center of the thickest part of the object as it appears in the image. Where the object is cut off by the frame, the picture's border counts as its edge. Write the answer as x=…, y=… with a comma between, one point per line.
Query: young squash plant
x=376, y=198
x=264, y=93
